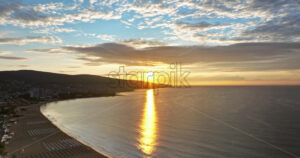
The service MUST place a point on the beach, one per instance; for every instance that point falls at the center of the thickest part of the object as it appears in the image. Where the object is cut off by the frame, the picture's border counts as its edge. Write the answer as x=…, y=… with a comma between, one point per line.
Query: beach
x=35, y=136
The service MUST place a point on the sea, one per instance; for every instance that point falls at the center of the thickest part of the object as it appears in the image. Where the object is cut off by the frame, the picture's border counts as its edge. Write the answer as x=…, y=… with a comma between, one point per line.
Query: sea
x=195, y=122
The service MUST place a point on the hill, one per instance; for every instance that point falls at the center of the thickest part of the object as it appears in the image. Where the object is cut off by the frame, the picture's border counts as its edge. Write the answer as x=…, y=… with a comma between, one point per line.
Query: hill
x=37, y=85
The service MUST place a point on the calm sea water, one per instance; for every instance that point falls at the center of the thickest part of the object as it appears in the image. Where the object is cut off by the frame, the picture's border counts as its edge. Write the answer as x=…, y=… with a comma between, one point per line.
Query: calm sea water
x=208, y=122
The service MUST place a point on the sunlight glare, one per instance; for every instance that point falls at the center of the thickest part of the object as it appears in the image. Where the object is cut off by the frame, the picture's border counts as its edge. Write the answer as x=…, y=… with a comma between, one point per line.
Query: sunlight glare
x=148, y=125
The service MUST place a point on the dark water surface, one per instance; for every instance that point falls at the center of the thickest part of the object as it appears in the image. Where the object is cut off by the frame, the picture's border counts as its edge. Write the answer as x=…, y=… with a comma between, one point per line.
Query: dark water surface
x=208, y=122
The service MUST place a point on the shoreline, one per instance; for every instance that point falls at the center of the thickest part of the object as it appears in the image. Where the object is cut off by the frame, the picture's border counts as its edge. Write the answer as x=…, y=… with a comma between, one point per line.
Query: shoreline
x=44, y=104
x=34, y=135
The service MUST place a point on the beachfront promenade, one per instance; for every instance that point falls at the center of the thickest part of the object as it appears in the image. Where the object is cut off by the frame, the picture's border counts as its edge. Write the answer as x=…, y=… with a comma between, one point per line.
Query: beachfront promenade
x=35, y=137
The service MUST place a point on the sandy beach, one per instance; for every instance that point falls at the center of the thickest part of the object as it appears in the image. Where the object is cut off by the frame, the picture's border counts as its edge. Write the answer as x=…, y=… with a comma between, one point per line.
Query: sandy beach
x=36, y=137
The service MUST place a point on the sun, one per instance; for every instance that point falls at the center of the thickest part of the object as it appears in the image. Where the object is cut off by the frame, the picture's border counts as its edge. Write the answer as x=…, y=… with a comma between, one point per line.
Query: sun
x=150, y=75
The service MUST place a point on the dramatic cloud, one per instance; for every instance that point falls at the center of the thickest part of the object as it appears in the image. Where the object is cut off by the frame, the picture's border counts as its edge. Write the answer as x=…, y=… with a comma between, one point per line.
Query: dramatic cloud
x=18, y=14
x=285, y=28
x=254, y=55
x=24, y=40
x=278, y=19
x=202, y=21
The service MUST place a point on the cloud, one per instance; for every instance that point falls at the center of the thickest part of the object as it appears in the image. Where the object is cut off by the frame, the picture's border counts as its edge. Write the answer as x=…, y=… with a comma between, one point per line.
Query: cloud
x=36, y=19
x=5, y=52
x=257, y=56
x=204, y=32
x=200, y=26
x=148, y=9
x=284, y=28
x=106, y=37
x=280, y=63
x=141, y=43
x=49, y=30
x=24, y=40
x=219, y=78
x=18, y=66
x=125, y=22
x=50, y=14
x=81, y=1
x=244, y=19
x=12, y=58
x=6, y=7
x=73, y=67
x=205, y=22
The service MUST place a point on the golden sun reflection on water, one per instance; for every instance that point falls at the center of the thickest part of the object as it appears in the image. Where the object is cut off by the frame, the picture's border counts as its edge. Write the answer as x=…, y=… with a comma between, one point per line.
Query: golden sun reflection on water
x=148, y=125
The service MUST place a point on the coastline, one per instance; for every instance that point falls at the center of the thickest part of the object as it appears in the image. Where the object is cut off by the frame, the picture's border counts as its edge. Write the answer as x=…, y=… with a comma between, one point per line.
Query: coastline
x=36, y=136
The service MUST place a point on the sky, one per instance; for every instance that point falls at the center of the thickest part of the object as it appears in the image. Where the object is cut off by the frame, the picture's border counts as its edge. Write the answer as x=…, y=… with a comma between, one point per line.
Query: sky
x=218, y=42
